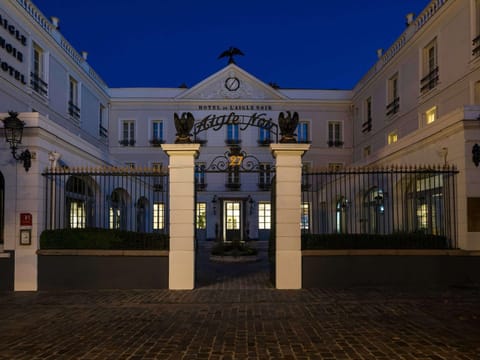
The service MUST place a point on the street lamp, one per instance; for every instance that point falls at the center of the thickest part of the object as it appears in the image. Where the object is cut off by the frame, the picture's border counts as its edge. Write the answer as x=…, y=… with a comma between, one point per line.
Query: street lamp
x=13, y=128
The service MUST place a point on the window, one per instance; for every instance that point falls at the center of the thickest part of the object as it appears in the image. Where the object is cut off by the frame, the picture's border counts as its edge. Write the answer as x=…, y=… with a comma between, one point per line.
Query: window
x=264, y=138
x=200, y=176
x=264, y=216
x=392, y=137
x=306, y=171
x=393, y=100
x=157, y=133
x=335, y=134
x=128, y=133
x=374, y=209
x=118, y=209
x=431, y=115
x=38, y=76
x=430, y=67
x=158, y=216
x=232, y=134
x=79, y=196
x=367, y=124
x=157, y=167
x=341, y=215
x=130, y=165
x=233, y=178
x=201, y=216
x=305, y=216
x=73, y=109
x=302, y=132
x=264, y=176
x=102, y=131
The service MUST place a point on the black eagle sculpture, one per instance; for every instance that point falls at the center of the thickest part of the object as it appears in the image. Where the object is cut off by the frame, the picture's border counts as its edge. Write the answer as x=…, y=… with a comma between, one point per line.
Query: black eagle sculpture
x=184, y=126
x=288, y=125
x=230, y=53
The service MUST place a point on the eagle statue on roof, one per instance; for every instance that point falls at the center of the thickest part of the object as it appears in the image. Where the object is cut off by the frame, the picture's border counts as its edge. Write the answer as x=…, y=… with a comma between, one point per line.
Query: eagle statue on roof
x=230, y=53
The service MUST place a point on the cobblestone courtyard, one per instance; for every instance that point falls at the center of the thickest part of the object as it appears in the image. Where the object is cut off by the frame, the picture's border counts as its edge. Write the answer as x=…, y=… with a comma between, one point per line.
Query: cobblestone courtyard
x=240, y=317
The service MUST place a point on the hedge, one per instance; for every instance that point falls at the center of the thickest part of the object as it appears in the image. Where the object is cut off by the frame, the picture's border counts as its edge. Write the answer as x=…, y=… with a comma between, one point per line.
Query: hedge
x=374, y=241
x=106, y=239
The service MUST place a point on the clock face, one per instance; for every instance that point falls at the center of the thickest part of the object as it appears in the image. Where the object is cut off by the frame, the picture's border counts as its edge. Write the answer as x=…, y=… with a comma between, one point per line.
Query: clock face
x=232, y=83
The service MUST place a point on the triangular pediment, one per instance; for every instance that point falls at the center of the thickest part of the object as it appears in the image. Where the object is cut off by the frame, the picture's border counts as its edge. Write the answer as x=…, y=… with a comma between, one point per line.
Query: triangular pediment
x=231, y=83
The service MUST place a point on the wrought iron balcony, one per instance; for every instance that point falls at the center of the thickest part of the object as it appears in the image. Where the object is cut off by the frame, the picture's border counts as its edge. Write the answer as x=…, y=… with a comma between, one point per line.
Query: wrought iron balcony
x=430, y=81
x=37, y=84
x=127, y=142
x=476, y=46
x=233, y=141
x=335, y=143
x=264, y=142
x=233, y=185
x=367, y=125
x=393, y=107
x=73, y=110
x=156, y=142
x=264, y=186
x=102, y=132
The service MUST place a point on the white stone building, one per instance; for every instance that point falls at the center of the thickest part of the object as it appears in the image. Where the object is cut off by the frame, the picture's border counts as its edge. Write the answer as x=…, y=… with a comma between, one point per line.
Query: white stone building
x=418, y=104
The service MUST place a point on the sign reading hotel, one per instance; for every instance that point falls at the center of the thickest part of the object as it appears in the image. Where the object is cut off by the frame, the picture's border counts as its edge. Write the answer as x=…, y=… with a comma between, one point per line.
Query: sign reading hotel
x=13, y=44
x=246, y=107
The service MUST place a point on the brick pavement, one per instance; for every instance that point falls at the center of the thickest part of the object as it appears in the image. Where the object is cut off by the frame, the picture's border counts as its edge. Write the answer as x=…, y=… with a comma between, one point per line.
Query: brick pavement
x=223, y=319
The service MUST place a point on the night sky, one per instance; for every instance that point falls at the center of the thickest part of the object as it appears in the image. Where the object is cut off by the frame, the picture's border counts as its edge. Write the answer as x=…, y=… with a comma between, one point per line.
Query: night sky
x=314, y=44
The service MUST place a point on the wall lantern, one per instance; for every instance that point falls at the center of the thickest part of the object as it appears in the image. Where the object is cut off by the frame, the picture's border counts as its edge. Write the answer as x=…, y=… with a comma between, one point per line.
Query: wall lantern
x=214, y=204
x=13, y=127
x=476, y=154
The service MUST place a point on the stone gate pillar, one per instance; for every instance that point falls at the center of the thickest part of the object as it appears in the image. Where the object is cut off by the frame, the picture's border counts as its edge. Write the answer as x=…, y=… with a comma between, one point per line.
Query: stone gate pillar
x=182, y=215
x=288, y=257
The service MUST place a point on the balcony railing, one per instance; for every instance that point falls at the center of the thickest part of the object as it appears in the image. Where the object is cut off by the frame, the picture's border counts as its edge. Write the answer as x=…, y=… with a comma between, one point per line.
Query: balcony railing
x=393, y=107
x=38, y=85
x=73, y=110
x=102, y=132
x=264, y=186
x=264, y=142
x=127, y=142
x=476, y=46
x=233, y=141
x=156, y=142
x=335, y=143
x=430, y=81
x=233, y=185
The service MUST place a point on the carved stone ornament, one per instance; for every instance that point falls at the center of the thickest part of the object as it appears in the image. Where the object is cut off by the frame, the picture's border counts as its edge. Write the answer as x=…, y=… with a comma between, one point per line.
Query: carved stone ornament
x=288, y=125
x=183, y=125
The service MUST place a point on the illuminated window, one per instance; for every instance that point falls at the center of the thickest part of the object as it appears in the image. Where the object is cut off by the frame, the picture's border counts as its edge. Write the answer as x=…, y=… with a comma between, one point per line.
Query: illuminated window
x=157, y=167
x=264, y=216
x=130, y=165
x=114, y=218
x=201, y=216
x=335, y=166
x=158, y=216
x=431, y=115
x=77, y=214
x=232, y=209
x=392, y=137
x=78, y=195
x=302, y=132
x=305, y=216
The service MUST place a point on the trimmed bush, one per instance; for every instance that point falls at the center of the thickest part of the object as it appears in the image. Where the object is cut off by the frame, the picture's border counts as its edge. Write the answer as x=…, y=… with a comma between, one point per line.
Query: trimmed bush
x=400, y=240
x=105, y=239
x=233, y=249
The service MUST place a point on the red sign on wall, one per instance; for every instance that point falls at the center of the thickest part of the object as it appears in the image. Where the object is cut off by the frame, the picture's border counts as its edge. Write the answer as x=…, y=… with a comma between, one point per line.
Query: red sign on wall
x=25, y=219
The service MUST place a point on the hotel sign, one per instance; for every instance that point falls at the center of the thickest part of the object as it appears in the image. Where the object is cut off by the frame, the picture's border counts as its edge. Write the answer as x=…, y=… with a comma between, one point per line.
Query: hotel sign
x=12, y=42
x=216, y=122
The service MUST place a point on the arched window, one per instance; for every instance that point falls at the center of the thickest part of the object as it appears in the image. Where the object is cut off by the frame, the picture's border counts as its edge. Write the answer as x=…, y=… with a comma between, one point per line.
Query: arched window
x=142, y=206
x=374, y=208
x=79, y=203
x=2, y=206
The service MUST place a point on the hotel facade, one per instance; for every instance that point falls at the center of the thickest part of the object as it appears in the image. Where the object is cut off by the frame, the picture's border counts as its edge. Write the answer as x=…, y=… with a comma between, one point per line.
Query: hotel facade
x=417, y=107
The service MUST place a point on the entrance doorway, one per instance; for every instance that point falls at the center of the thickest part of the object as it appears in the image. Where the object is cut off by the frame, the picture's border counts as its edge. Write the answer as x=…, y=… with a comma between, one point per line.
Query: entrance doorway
x=232, y=220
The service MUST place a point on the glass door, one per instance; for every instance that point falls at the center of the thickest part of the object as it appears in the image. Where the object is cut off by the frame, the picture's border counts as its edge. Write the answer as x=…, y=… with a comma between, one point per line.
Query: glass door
x=232, y=220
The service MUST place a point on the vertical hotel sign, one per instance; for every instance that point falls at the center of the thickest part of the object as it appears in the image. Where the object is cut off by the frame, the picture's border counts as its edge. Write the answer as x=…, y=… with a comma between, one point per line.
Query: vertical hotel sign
x=13, y=47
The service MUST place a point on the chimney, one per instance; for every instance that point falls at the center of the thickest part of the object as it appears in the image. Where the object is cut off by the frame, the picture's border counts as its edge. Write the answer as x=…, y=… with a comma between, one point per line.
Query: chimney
x=379, y=53
x=84, y=55
x=409, y=18
x=55, y=21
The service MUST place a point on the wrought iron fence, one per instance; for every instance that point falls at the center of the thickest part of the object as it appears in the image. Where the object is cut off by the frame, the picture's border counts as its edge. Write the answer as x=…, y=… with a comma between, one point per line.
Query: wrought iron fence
x=402, y=202
x=109, y=198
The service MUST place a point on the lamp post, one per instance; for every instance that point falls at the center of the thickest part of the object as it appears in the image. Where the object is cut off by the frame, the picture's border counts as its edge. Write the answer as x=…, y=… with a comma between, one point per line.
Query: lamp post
x=13, y=128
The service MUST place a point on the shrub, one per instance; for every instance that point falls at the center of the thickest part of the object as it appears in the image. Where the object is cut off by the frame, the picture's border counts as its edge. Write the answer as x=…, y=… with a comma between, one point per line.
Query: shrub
x=233, y=249
x=400, y=240
x=95, y=238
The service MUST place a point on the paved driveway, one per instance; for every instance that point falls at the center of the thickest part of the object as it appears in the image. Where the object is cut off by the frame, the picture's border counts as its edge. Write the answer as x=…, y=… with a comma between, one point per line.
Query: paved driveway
x=235, y=314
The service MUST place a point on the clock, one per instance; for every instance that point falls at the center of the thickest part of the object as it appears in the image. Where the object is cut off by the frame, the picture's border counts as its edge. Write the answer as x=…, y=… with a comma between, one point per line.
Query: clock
x=232, y=83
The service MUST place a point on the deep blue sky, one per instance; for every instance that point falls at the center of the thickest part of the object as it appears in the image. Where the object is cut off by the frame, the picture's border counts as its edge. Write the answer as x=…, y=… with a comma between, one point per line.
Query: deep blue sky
x=315, y=44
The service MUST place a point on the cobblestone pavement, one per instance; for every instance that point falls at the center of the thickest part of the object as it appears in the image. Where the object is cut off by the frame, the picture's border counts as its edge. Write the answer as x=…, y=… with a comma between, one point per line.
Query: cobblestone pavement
x=233, y=321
